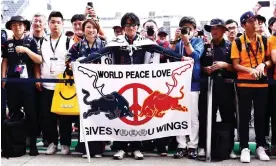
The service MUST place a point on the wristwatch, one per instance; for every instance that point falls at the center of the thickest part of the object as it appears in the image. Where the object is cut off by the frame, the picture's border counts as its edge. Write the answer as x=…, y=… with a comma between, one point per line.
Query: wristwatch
x=187, y=44
x=173, y=42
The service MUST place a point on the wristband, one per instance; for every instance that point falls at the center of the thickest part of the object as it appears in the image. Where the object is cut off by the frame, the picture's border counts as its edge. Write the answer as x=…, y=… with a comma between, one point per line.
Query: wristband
x=264, y=64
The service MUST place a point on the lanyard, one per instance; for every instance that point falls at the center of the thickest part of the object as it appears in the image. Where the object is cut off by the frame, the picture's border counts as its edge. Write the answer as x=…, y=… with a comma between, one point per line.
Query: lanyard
x=249, y=48
x=54, y=50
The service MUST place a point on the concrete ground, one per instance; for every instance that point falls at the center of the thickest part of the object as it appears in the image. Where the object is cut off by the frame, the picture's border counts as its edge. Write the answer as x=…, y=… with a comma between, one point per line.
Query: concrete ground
x=150, y=160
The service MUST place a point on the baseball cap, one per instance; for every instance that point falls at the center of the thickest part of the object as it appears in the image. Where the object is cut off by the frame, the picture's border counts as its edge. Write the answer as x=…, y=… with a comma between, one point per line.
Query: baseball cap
x=162, y=30
x=246, y=16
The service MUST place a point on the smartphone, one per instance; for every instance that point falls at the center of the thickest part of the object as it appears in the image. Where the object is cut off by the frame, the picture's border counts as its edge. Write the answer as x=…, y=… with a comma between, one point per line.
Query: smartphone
x=90, y=4
x=264, y=3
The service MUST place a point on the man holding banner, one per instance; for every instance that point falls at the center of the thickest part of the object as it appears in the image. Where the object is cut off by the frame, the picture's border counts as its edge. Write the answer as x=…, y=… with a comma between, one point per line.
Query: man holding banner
x=129, y=49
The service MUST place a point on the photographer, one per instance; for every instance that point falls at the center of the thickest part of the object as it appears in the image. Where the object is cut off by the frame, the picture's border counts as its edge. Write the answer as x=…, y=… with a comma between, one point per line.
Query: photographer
x=251, y=63
x=151, y=28
x=186, y=44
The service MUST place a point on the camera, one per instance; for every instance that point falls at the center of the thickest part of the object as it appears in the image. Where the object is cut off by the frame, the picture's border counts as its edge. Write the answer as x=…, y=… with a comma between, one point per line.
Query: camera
x=150, y=31
x=90, y=4
x=185, y=30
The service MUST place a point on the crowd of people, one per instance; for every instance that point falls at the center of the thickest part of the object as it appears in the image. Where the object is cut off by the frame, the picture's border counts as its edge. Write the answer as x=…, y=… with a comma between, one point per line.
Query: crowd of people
x=249, y=55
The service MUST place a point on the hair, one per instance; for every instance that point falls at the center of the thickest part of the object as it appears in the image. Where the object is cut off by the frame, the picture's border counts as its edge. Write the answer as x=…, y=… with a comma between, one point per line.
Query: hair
x=133, y=17
x=55, y=14
x=76, y=17
x=150, y=20
x=93, y=22
x=189, y=20
x=40, y=15
x=230, y=21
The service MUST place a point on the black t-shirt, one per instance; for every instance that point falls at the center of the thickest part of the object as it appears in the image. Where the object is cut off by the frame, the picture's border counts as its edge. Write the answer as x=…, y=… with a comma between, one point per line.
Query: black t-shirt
x=220, y=52
x=15, y=58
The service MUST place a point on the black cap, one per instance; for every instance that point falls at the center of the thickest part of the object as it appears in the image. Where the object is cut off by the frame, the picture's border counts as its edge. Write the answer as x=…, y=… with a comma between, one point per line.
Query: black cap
x=162, y=30
x=18, y=19
x=215, y=22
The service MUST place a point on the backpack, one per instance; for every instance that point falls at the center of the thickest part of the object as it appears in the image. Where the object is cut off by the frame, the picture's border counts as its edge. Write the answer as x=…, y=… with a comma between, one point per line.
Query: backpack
x=14, y=135
x=222, y=141
x=67, y=42
x=270, y=71
x=239, y=44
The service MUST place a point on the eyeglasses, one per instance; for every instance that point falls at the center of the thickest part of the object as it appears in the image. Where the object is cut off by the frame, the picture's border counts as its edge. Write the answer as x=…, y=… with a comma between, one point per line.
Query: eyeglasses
x=232, y=28
x=130, y=25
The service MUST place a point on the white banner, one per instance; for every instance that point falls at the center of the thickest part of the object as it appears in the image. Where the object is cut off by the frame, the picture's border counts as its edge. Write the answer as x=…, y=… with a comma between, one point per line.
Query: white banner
x=134, y=102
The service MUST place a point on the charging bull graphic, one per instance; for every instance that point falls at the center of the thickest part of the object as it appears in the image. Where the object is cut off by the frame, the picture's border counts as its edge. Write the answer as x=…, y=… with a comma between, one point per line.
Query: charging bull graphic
x=113, y=105
x=113, y=109
x=157, y=103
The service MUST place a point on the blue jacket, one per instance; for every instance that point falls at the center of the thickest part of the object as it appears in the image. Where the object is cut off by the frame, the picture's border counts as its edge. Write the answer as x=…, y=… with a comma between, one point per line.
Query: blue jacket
x=121, y=54
x=198, y=46
x=81, y=49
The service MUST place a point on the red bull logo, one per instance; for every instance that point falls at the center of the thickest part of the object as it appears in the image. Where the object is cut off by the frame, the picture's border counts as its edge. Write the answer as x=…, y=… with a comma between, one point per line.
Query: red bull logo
x=157, y=104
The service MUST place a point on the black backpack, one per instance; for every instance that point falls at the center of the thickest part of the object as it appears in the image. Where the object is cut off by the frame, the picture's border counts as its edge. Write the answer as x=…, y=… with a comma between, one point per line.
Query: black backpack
x=222, y=141
x=13, y=136
x=239, y=44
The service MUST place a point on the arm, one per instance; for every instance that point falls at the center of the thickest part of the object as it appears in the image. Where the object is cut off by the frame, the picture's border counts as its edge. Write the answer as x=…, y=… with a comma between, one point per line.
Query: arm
x=167, y=52
x=37, y=76
x=32, y=52
x=35, y=57
x=97, y=55
x=273, y=56
x=73, y=53
x=197, y=49
x=4, y=67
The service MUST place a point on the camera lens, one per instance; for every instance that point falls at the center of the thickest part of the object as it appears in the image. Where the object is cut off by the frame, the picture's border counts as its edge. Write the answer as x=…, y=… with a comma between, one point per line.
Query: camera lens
x=185, y=30
x=150, y=31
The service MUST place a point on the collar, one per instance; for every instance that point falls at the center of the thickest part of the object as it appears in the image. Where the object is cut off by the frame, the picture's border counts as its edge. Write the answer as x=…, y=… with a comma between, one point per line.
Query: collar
x=32, y=35
x=131, y=41
x=221, y=42
x=249, y=41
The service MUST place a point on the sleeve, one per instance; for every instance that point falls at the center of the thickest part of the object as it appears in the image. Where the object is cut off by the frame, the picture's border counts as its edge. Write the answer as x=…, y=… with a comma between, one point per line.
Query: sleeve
x=167, y=52
x=73, y=53
x=235, y=54
x=34, y=47
x=198, y=46
x=97, y=55
x=4, y=49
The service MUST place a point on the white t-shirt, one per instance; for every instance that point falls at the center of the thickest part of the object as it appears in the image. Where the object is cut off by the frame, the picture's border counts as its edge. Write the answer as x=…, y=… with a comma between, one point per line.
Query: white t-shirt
x=53, y=63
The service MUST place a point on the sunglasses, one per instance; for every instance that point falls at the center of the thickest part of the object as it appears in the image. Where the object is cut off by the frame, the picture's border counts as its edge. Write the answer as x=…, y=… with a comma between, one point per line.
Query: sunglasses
x=130, y=25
